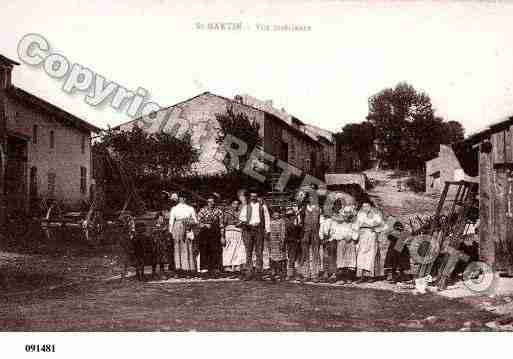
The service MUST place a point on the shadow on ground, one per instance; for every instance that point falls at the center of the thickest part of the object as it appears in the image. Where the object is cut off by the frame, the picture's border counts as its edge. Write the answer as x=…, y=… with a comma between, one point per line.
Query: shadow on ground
x=233, y=306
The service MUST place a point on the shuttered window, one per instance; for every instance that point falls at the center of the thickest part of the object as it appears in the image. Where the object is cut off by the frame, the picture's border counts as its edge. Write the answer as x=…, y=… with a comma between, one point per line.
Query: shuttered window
x=51, y=185
x=34, y=134
x=83, y=179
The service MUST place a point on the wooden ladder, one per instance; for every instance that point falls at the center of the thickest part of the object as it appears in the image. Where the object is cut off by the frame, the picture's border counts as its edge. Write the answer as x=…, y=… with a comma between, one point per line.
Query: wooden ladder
x=448, y=230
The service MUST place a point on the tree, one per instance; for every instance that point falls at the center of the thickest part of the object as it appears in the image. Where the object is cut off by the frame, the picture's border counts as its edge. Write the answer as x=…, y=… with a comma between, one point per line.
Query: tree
x=405, y=126
x=452, y=132
x=145, y=155
x=239, y=126
x=357, y=137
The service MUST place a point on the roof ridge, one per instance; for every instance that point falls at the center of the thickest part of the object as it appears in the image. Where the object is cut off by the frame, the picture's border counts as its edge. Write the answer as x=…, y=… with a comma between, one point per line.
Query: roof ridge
x=8, y=60
x=16, y=91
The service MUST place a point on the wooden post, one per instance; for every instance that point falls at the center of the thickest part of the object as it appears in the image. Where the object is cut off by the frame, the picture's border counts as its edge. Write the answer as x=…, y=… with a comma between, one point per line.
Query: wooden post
x=509, y=220
x=3, y=161
x=508, y=145
x=498, y=147
x=499, y=213
x=487, y=243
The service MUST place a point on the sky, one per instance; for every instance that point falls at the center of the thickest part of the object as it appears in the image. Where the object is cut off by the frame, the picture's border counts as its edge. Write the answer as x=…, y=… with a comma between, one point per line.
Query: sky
x=459, y=53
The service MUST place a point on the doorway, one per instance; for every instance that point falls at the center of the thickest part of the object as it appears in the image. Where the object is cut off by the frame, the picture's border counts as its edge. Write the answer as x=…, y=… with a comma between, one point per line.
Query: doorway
x=16, y=176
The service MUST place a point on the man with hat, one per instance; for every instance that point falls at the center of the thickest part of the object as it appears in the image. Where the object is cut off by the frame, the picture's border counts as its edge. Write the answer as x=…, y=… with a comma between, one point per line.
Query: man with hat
x=255, y=219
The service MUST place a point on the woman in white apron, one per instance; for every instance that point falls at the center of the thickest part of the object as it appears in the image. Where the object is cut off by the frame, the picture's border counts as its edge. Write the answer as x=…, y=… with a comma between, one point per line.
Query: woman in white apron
x=234, y=252
x=346, y=237
x=368, y=220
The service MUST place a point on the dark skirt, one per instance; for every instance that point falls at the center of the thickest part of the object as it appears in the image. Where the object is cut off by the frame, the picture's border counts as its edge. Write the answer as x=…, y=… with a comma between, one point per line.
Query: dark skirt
x=160, y=247
x=210, y=248
x=397, y=259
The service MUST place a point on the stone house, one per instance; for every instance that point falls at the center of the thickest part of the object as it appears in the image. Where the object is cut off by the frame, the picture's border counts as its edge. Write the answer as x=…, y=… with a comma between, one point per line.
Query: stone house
x=284, y=139
x=445, y=167
x=347, y=160
x=47, y=150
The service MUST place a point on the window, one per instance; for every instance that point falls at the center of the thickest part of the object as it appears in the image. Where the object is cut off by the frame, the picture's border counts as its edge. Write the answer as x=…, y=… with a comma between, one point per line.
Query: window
x=52, y=139
x=83, y=179
x=306, y=166
x=284, y=151
x=34, y=134
x=435, y=179
x=83, y=144
x=51, y=185
x=292, y=153
x=33, y=182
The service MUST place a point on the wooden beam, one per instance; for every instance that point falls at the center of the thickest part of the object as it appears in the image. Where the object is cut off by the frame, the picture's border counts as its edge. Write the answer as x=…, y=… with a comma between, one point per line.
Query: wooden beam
x=487, y=243
x=508, y=145
x=509, y=220
x=498, y=147
x=3, y=160
x=499, y=214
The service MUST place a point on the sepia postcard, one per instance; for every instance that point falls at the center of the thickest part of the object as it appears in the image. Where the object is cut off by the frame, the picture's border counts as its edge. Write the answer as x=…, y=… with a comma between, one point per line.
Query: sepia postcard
x=258, y=167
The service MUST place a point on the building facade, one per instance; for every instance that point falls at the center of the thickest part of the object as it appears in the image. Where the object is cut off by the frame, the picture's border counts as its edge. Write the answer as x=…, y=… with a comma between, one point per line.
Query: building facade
x=47, y=150
x=281, y=138
x=347, y=160
x=445, y=167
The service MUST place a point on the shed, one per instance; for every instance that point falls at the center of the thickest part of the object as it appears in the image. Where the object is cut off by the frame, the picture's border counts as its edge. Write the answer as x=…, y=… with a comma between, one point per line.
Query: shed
x=489, y=154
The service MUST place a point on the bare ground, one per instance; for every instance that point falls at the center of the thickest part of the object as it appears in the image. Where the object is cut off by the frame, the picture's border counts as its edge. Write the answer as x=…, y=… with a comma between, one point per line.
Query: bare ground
x=61, y=283
x=234, y=305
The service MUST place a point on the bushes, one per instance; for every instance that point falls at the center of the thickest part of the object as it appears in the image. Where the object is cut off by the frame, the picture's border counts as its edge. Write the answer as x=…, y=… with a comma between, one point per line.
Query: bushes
x=197, y=187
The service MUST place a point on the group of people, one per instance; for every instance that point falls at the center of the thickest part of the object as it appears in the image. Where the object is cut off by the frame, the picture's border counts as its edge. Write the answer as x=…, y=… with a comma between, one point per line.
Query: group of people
x=354, y=242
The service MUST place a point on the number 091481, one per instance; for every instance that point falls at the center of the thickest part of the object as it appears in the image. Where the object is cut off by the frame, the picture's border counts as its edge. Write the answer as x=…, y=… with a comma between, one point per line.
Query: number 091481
x=36, y=348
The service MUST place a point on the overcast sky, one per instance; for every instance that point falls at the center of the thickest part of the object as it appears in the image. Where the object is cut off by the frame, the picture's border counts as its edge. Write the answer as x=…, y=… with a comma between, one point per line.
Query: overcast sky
x=460, y=53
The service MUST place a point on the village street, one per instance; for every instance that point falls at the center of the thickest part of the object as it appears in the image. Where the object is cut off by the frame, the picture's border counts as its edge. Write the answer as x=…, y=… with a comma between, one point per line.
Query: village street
x=65, y=283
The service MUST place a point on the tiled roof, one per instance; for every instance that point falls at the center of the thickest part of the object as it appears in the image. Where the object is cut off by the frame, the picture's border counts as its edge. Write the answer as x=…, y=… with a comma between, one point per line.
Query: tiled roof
x=7, y=61
x=303, y=133
x=61, y=115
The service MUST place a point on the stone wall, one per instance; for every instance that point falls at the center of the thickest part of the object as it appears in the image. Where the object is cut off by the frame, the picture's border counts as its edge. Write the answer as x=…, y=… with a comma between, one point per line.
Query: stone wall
x=444, y=168
x=198, y=116
x=64, y=160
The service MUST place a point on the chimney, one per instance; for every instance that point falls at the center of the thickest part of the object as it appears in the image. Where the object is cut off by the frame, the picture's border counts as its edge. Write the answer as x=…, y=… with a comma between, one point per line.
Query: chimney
x=6, y=66
x=238, y=98
x=5, y=76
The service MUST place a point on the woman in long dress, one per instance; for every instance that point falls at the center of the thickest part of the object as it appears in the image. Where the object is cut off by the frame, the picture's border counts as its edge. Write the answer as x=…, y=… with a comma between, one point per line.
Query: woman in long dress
x=182, y=218
x=234, y=252
x=345, y=236
x=367, y=251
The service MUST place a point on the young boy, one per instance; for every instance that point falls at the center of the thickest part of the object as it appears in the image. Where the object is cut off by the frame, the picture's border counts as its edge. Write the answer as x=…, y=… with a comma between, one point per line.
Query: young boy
x=277, y=257
x=293, y=235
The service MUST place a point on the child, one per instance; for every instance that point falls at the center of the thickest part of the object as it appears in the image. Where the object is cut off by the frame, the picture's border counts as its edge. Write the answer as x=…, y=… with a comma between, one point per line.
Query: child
x=345, y=236
x=398, y=255
x=277, y=255
x=293, y=235
x=329, y=249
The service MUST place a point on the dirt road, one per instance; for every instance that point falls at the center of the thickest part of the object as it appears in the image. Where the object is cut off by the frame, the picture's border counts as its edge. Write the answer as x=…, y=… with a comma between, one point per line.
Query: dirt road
x=235, y=305
x=59, y=282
